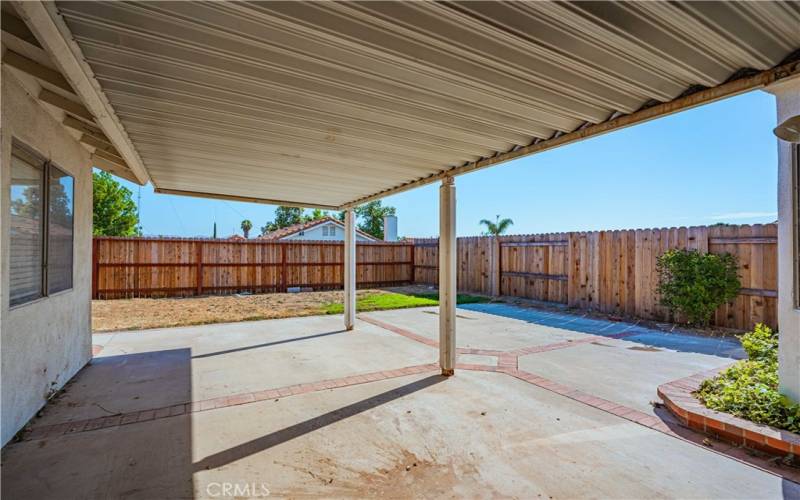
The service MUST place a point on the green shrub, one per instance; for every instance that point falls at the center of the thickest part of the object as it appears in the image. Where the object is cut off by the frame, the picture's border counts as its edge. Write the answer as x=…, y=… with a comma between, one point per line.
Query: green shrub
x=761, y=344
x=696, y=284
x=749, y=389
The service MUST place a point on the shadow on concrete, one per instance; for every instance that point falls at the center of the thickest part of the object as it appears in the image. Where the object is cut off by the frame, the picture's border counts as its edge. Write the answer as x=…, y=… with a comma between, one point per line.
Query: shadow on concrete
x=726, y=347
x=274, y=439
x=267, y=344
x=150, y=459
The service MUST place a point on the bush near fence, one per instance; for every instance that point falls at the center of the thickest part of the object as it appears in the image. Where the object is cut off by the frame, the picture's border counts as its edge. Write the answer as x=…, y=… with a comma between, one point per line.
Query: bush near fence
x=607, y=271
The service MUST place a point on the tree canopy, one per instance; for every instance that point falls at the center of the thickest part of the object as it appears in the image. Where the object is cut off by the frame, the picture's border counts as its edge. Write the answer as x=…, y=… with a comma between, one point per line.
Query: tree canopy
x=370, y=217
x=498, y=227
x=284, y=217
x=289, y=216
x=115, y=212
x=246, y=227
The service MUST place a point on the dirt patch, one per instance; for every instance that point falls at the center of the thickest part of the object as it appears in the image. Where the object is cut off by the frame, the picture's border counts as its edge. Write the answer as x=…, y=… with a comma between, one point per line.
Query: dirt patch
x=403, y=475
x=134, y=314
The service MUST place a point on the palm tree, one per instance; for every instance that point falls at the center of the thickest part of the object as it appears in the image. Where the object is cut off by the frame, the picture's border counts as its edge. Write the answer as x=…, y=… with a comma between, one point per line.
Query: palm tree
x=497, y=227
x=246, y=227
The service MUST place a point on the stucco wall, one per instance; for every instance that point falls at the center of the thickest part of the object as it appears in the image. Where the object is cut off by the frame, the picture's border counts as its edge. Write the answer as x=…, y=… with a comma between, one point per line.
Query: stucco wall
x=44, y=343
x=788, y=104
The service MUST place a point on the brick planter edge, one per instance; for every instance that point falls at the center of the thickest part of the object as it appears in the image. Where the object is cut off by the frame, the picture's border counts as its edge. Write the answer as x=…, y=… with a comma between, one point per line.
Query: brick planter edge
x=679, y=399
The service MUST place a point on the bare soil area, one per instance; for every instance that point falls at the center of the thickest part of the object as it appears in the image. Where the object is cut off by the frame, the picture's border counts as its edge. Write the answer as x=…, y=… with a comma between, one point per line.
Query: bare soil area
x=135, y=314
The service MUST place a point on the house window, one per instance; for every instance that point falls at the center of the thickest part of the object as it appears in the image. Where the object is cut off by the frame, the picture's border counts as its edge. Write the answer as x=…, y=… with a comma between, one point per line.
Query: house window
x=41, y=227
x=332, y=230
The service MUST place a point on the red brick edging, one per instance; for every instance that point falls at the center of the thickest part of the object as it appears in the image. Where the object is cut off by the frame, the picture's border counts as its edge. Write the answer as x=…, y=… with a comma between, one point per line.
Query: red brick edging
x=679, y=399
x=91, y=424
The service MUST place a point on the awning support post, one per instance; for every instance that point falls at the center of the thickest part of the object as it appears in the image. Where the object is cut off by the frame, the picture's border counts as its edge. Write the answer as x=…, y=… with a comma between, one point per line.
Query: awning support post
x=349, y=269
x=447, y=276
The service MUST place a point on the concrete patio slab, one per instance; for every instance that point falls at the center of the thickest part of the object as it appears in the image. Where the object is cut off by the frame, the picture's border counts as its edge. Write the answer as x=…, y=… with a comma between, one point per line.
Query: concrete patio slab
x=474, y=435
x=477, y=329
x=618, y=370
x=157, y=368
x=301, y=409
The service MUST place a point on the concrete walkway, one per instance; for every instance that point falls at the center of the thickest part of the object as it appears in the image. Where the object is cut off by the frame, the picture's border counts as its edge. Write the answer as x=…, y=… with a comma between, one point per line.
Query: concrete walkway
x=542, y=404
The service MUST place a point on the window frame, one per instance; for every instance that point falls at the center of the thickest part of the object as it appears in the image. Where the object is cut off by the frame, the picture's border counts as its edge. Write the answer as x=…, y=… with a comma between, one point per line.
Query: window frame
x=45, y=165
x=49, y=166
x=795, y=222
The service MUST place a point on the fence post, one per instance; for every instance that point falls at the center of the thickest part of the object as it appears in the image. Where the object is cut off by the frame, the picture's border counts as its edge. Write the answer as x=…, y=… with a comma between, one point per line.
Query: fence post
x=284, y=286
x=95, y=268
x=199, y=262
x=494, y=268
x=413, y=264
x=136, y=292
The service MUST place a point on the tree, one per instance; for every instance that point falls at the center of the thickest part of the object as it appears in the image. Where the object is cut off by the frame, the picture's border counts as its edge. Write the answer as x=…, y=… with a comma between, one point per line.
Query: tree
x=284, y=217
x=246, y=227
x=370, y=217
x=316, y=214
x=497, y=227
x=115, y=212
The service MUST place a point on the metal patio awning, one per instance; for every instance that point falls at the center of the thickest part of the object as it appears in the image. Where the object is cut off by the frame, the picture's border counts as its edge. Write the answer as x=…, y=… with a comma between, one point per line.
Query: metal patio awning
x=331, y=104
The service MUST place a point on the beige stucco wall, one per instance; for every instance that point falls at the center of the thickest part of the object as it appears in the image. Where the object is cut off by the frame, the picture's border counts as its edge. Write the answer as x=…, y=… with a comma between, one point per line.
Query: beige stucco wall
x=43, y=343
x=787, y=96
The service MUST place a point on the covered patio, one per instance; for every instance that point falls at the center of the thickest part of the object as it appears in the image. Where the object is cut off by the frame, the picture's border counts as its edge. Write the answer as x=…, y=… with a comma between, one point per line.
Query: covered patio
x=548, y=404
x=331, y=105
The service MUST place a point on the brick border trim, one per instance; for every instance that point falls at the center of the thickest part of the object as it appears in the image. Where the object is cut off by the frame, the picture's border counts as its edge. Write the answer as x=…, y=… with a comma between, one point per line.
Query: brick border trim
x=508, y=364
x=520, y=351
x=54, y=430
x=679, y=399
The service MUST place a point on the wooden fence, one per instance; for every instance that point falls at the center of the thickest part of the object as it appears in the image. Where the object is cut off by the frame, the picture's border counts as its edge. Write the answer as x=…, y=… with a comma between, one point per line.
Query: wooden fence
x=611, y=271
x=608, y=271
x=158, y=267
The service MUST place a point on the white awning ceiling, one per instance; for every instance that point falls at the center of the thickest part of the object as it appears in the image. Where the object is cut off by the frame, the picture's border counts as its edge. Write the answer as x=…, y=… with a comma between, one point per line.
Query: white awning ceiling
x=328, y=104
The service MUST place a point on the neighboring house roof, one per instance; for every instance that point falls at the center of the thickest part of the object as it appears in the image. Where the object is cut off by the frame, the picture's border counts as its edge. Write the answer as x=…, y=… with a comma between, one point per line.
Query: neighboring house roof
x=304, y=226
x=236, y=237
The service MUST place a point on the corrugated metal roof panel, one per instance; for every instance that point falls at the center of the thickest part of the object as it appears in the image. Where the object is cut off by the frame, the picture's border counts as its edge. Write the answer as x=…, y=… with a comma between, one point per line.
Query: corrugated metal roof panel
x=331, y=102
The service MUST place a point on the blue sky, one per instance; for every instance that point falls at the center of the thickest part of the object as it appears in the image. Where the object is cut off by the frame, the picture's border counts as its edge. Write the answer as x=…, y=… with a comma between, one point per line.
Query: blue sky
x=716, y=163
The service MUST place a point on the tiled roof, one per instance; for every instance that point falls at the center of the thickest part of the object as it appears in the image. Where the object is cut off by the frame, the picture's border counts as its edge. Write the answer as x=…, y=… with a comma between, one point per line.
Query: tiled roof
x=289, y=230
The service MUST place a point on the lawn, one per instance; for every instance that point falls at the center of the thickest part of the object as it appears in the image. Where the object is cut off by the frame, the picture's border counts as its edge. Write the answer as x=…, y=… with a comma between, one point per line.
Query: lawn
x=383, y=301
x=135, y=314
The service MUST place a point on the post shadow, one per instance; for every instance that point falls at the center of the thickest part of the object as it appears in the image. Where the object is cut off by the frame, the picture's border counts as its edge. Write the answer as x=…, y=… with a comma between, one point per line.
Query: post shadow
x=313, y=424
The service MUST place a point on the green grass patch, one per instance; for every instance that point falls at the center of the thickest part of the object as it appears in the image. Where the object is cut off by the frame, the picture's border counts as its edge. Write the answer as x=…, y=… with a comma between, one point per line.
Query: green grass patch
x=749, y=389
x=461, y=298
x=384, y=301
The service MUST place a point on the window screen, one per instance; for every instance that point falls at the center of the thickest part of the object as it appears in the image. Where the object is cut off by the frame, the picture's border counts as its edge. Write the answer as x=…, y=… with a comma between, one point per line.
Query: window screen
x=59, y=235
x=26, y=226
